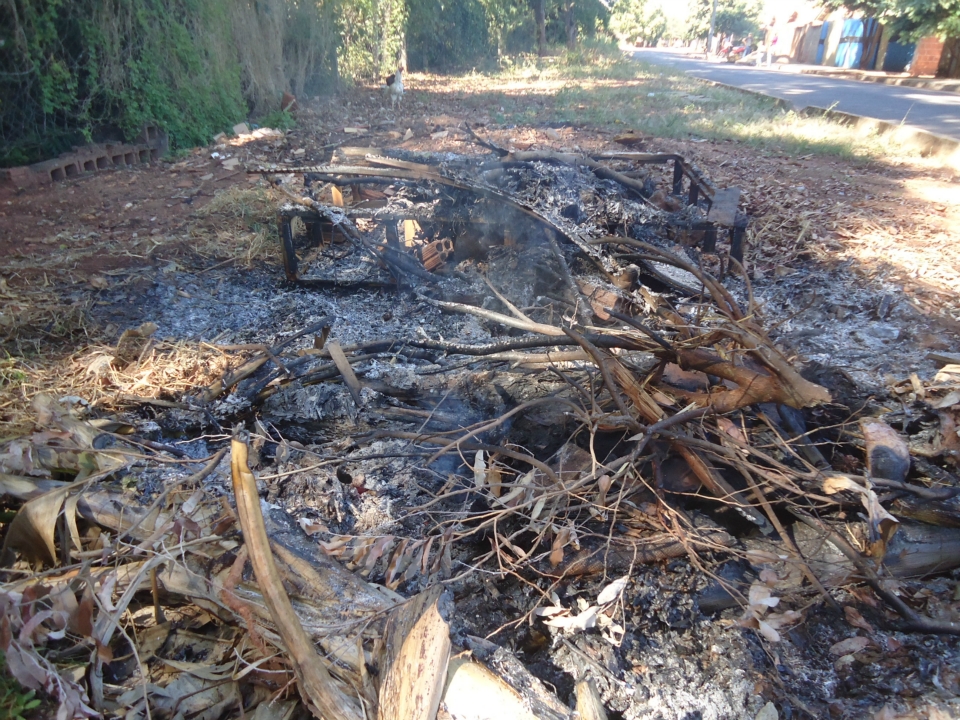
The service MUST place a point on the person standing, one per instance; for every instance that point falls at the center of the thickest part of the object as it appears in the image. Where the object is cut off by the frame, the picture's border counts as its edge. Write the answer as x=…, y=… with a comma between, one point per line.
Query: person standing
x=770, y=40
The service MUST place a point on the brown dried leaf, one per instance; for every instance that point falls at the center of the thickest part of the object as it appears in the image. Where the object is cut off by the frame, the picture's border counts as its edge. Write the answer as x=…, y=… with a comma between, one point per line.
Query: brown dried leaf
x=357, y=550
x=730, y=428
x=34, y=528
x=24, y=667
x=832, y=484
x=425, y=556
x=603, y=486
x=336, y=547
x=856, y=619
x=494, y=478
x=104, y=652
x=81, y=621
x=395, y=567
x=6, y=634
x=850, y=646
x=381, y=546
x=768, y=631
x=413, y=567
x=311, y=527
x=560, y=540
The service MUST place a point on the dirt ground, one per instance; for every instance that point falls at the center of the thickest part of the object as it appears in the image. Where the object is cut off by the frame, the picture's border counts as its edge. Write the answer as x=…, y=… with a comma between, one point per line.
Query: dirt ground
x=855, y=265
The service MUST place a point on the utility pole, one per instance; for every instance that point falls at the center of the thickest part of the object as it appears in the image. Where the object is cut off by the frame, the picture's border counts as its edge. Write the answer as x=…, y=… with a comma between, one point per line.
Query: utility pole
x=713, y=15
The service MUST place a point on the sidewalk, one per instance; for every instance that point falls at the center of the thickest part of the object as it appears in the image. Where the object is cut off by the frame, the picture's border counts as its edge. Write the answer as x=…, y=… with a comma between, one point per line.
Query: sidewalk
x=877, y=76
x=925, y=119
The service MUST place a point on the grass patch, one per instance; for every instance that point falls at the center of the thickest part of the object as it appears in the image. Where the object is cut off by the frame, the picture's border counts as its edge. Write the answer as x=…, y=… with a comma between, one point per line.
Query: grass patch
x=600, y=85
x=16, y=703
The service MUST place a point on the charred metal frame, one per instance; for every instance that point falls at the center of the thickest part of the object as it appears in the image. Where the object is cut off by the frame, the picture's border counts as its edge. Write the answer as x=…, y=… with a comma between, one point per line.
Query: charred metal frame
x=721, y=203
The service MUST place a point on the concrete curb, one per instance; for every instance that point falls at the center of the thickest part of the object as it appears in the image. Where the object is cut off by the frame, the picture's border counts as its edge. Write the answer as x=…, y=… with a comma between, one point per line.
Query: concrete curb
x=779, y=102
x=950, y=86
x=151, y=145
x=926, y=143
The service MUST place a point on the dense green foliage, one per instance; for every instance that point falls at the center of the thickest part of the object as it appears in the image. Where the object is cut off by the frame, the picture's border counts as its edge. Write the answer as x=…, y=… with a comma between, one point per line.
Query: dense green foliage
x=89, y=70
x=371, y=36
x=638, y=21
x=98, y=70
x=910, y=19
x=73, y=71
x=16, y=703
x=445, y=35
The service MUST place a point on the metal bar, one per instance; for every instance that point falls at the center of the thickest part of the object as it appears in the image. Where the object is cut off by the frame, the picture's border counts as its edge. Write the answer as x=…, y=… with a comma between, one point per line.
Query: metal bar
x=694, y=193
x=286, y=248
x=710, y=240
x=737, y=233
x=393, y=237
x=677, y=176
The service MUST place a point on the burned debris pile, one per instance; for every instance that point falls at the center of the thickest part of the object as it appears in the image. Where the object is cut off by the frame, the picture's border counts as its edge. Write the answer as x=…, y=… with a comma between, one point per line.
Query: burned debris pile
x=552, y=370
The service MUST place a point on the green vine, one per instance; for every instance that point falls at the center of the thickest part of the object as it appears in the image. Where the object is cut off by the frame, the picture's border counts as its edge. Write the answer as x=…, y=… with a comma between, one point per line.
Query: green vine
x=81, y=71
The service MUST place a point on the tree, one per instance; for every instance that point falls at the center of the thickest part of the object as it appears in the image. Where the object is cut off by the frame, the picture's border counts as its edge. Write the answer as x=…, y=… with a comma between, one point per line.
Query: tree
x=734, y=17
x=638, y=21
x=540, y=18
x=929, y=17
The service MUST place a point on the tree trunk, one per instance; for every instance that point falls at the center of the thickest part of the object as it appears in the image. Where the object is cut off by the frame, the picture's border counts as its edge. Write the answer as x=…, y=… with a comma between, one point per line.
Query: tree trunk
x=949, y=66
x=540, y=16
x=570, y=19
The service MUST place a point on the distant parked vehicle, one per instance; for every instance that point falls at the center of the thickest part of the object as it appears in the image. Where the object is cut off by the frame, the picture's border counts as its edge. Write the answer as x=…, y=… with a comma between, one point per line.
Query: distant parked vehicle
x=735, y=53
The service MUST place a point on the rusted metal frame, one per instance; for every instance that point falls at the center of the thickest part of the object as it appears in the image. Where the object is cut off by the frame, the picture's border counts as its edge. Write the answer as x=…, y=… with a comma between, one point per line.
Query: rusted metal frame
x=737, y=233
x=699, y=185
x=681, y=167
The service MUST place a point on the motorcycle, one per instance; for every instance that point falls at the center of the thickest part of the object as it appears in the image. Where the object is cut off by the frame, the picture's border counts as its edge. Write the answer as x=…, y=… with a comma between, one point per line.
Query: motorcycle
x=735, y=53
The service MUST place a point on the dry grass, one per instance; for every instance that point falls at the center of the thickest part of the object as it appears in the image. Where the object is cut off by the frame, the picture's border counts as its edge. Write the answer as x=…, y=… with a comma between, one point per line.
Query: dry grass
x=601, y=85
x=239, y=223
x=163, y=370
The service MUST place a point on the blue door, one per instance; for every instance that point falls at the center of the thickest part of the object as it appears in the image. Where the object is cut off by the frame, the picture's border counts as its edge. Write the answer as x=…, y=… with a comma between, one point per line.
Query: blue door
x=898, y=56
x=824, y=34
x=851, y=44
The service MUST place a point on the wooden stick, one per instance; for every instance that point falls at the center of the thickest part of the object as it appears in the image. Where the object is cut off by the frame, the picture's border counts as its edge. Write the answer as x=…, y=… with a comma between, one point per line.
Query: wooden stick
x=343, y=365
x=416, y=650
x=323, y=698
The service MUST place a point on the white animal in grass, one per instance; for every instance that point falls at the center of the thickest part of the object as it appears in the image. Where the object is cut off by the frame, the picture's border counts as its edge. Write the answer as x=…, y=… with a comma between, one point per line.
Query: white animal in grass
x=394, y=87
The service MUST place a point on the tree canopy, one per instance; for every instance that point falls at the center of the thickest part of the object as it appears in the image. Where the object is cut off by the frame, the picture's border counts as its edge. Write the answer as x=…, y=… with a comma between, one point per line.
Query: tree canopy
x=734, y=17
x=639, y=21
x=911, y=19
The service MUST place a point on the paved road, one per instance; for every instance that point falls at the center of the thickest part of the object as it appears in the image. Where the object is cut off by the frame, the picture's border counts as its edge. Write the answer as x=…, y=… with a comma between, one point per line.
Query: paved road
x=936, y=112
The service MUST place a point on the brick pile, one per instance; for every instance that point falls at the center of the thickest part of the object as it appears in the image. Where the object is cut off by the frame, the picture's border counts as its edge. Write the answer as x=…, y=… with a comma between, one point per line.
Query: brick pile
x=150, y=145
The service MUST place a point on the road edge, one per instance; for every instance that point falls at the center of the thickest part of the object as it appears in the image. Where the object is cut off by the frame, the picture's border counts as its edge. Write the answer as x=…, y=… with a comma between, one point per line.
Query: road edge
x=926, y=143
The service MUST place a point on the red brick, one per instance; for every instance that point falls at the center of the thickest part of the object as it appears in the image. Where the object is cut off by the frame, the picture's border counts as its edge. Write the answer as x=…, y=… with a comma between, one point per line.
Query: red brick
x=926, y=57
